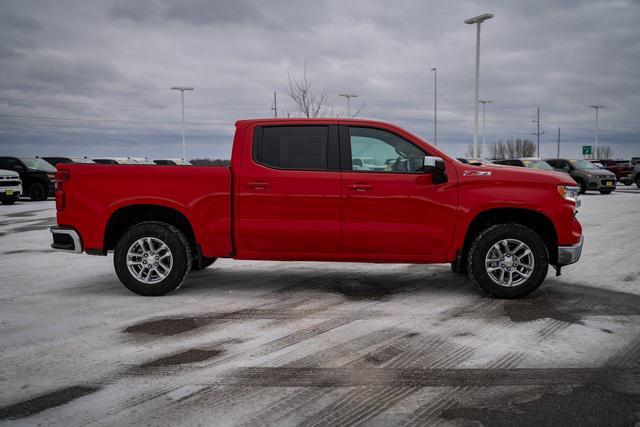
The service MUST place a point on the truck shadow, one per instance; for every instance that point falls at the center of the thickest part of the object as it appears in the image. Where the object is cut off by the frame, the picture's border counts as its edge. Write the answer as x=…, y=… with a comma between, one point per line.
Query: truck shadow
x=375, y=284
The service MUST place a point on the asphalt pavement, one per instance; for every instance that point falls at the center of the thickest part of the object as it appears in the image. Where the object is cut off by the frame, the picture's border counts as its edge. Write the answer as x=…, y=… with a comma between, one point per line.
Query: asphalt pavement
x=246, y=343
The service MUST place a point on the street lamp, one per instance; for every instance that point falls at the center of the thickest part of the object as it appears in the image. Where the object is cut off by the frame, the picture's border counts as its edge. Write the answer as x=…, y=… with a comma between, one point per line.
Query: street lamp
x=435, y=105
x=348, y=96
x=484, y=103
x=596, y=107
x=477, y=20
x=184, y=144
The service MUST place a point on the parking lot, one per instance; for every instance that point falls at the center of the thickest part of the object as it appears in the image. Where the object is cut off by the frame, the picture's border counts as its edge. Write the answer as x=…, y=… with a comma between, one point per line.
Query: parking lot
x=313, y=343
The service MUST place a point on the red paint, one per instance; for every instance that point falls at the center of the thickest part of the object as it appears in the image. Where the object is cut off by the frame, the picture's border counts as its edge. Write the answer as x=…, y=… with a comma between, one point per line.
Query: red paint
x=314, y=215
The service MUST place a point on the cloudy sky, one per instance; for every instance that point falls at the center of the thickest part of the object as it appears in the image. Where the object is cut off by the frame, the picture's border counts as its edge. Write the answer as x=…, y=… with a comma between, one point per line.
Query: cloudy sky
x=93, y=78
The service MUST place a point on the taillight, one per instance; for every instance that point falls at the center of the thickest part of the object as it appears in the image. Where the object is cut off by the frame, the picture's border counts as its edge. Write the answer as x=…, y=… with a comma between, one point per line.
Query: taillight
x=61, y=178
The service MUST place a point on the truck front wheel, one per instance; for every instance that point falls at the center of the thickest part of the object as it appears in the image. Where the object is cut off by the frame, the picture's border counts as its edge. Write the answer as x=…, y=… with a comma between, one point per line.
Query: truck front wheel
x=152, y=258
x=508, y=261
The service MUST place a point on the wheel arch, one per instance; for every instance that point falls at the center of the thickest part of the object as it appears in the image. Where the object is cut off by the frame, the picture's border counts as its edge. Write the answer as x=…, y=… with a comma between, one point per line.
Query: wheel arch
x=127, y=216
x=537, y=221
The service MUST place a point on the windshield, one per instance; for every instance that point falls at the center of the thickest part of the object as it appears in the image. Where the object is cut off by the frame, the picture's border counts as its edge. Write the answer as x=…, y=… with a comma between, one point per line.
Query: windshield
x=33, y=163
x=537, y=164
x=583, y=164
x=182, y=162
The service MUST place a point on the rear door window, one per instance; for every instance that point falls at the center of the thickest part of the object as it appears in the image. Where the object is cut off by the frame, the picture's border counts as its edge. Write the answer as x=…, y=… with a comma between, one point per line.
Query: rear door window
x=292, y=147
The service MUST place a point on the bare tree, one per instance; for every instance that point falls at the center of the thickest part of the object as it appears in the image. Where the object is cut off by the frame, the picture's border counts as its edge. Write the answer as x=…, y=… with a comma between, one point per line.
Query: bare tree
x=497, y=150
x=524, y=147
x=469, y=153
x=604, y=152
x=306, y=101
x=512, y=149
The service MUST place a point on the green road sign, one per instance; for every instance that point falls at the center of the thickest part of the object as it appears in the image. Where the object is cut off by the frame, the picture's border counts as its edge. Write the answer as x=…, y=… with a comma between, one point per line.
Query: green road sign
x=586, y=150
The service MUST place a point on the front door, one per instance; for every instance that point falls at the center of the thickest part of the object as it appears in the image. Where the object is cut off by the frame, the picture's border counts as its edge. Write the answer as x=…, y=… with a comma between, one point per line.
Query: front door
x=289, y=192
x=390, y=206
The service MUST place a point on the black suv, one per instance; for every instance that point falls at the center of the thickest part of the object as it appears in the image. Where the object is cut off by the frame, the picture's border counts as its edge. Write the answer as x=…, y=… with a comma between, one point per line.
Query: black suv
x=38, y=176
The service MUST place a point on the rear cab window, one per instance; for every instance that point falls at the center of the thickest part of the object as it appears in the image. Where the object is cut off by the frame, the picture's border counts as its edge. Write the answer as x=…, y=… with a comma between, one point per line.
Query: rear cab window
x=308, y=147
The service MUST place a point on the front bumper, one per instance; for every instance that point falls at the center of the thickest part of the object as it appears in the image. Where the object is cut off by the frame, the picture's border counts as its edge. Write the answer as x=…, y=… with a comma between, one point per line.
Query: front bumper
x=570, y=254
x=66, y=239
x=11, y=191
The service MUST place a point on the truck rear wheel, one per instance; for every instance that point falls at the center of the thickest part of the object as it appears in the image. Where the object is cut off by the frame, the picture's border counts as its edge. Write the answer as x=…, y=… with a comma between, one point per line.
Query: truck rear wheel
x=508, y=261
x=152, y=258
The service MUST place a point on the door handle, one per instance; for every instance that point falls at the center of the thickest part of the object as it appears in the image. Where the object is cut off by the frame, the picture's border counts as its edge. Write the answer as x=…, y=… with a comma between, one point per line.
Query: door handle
x=258, y=185
x=360, y=187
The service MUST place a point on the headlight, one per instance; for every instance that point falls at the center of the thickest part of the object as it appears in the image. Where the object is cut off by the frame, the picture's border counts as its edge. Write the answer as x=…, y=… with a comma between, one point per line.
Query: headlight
x=570, y=193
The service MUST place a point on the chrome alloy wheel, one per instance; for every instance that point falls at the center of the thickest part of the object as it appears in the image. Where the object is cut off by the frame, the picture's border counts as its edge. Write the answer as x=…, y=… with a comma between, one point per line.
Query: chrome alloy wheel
x=509, y=262
x=149, y=260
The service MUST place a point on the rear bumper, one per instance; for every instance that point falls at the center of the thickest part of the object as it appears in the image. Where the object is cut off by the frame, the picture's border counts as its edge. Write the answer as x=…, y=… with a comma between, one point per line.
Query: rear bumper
x=66, y=239
x=570, y=254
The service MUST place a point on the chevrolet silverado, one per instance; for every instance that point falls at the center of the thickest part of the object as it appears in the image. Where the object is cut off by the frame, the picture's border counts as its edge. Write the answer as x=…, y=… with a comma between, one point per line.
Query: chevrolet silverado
x=322, y=190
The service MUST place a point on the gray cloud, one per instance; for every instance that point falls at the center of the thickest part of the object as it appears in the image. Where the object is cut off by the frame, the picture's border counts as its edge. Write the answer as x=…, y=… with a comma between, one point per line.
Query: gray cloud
x=94, y=78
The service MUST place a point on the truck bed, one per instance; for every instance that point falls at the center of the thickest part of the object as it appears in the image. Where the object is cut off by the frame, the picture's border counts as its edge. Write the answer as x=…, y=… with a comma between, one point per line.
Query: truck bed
x=94, y=193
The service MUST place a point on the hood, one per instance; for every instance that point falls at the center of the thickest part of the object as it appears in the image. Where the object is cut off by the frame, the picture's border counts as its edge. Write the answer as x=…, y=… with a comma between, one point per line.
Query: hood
x=12, y=174
x=600, y=173
x=518, y=174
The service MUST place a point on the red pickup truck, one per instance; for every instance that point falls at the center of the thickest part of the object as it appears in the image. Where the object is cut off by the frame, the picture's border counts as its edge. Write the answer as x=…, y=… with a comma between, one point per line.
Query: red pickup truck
x=322, y=190
x=621, y=168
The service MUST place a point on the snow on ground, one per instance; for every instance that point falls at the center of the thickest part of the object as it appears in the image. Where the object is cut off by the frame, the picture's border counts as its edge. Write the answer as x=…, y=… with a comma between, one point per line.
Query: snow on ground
x=314, y=343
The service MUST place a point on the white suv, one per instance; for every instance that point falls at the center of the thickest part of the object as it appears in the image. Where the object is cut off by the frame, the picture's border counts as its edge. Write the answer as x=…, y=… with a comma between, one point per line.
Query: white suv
x=10, y=187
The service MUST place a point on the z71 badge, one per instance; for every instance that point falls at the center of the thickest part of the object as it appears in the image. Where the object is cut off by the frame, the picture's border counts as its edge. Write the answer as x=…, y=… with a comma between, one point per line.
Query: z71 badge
x=477, y=173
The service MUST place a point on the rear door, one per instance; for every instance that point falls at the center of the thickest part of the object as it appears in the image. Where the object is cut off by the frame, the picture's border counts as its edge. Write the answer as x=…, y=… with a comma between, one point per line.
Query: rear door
x=288, y=192
x=390, y=206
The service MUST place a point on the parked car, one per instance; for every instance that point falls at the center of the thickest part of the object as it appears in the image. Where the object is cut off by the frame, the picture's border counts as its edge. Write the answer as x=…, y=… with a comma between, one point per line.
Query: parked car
x=115, y=161
x=172, y=162
x=292, y=193
x=635, y=174
x=473, y=162
x=621, y=168
x=10, y=187
x=586, y=174
x=526, y=162
x=141, y=160
x=54, y=161
x=37, y=175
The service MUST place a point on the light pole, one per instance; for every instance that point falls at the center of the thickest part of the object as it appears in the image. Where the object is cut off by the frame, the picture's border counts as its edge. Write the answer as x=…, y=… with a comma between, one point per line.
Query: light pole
x=484, y=103
x=596, y=107
x=348, y=96
x=477, y=20
x=435, y=105
x=184, y=144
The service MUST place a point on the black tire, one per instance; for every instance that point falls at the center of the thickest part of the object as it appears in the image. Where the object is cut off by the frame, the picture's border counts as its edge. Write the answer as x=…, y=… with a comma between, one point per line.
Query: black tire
x=484, y=242
x=37, y=192
x=169, y=235
x=8, y=200
x=582, y=185
x=605, y=191
x=638, y=182
x=202, y=264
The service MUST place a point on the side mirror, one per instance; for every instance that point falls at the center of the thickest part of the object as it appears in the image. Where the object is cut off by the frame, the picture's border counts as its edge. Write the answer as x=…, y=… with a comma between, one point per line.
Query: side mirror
x=433, y=164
